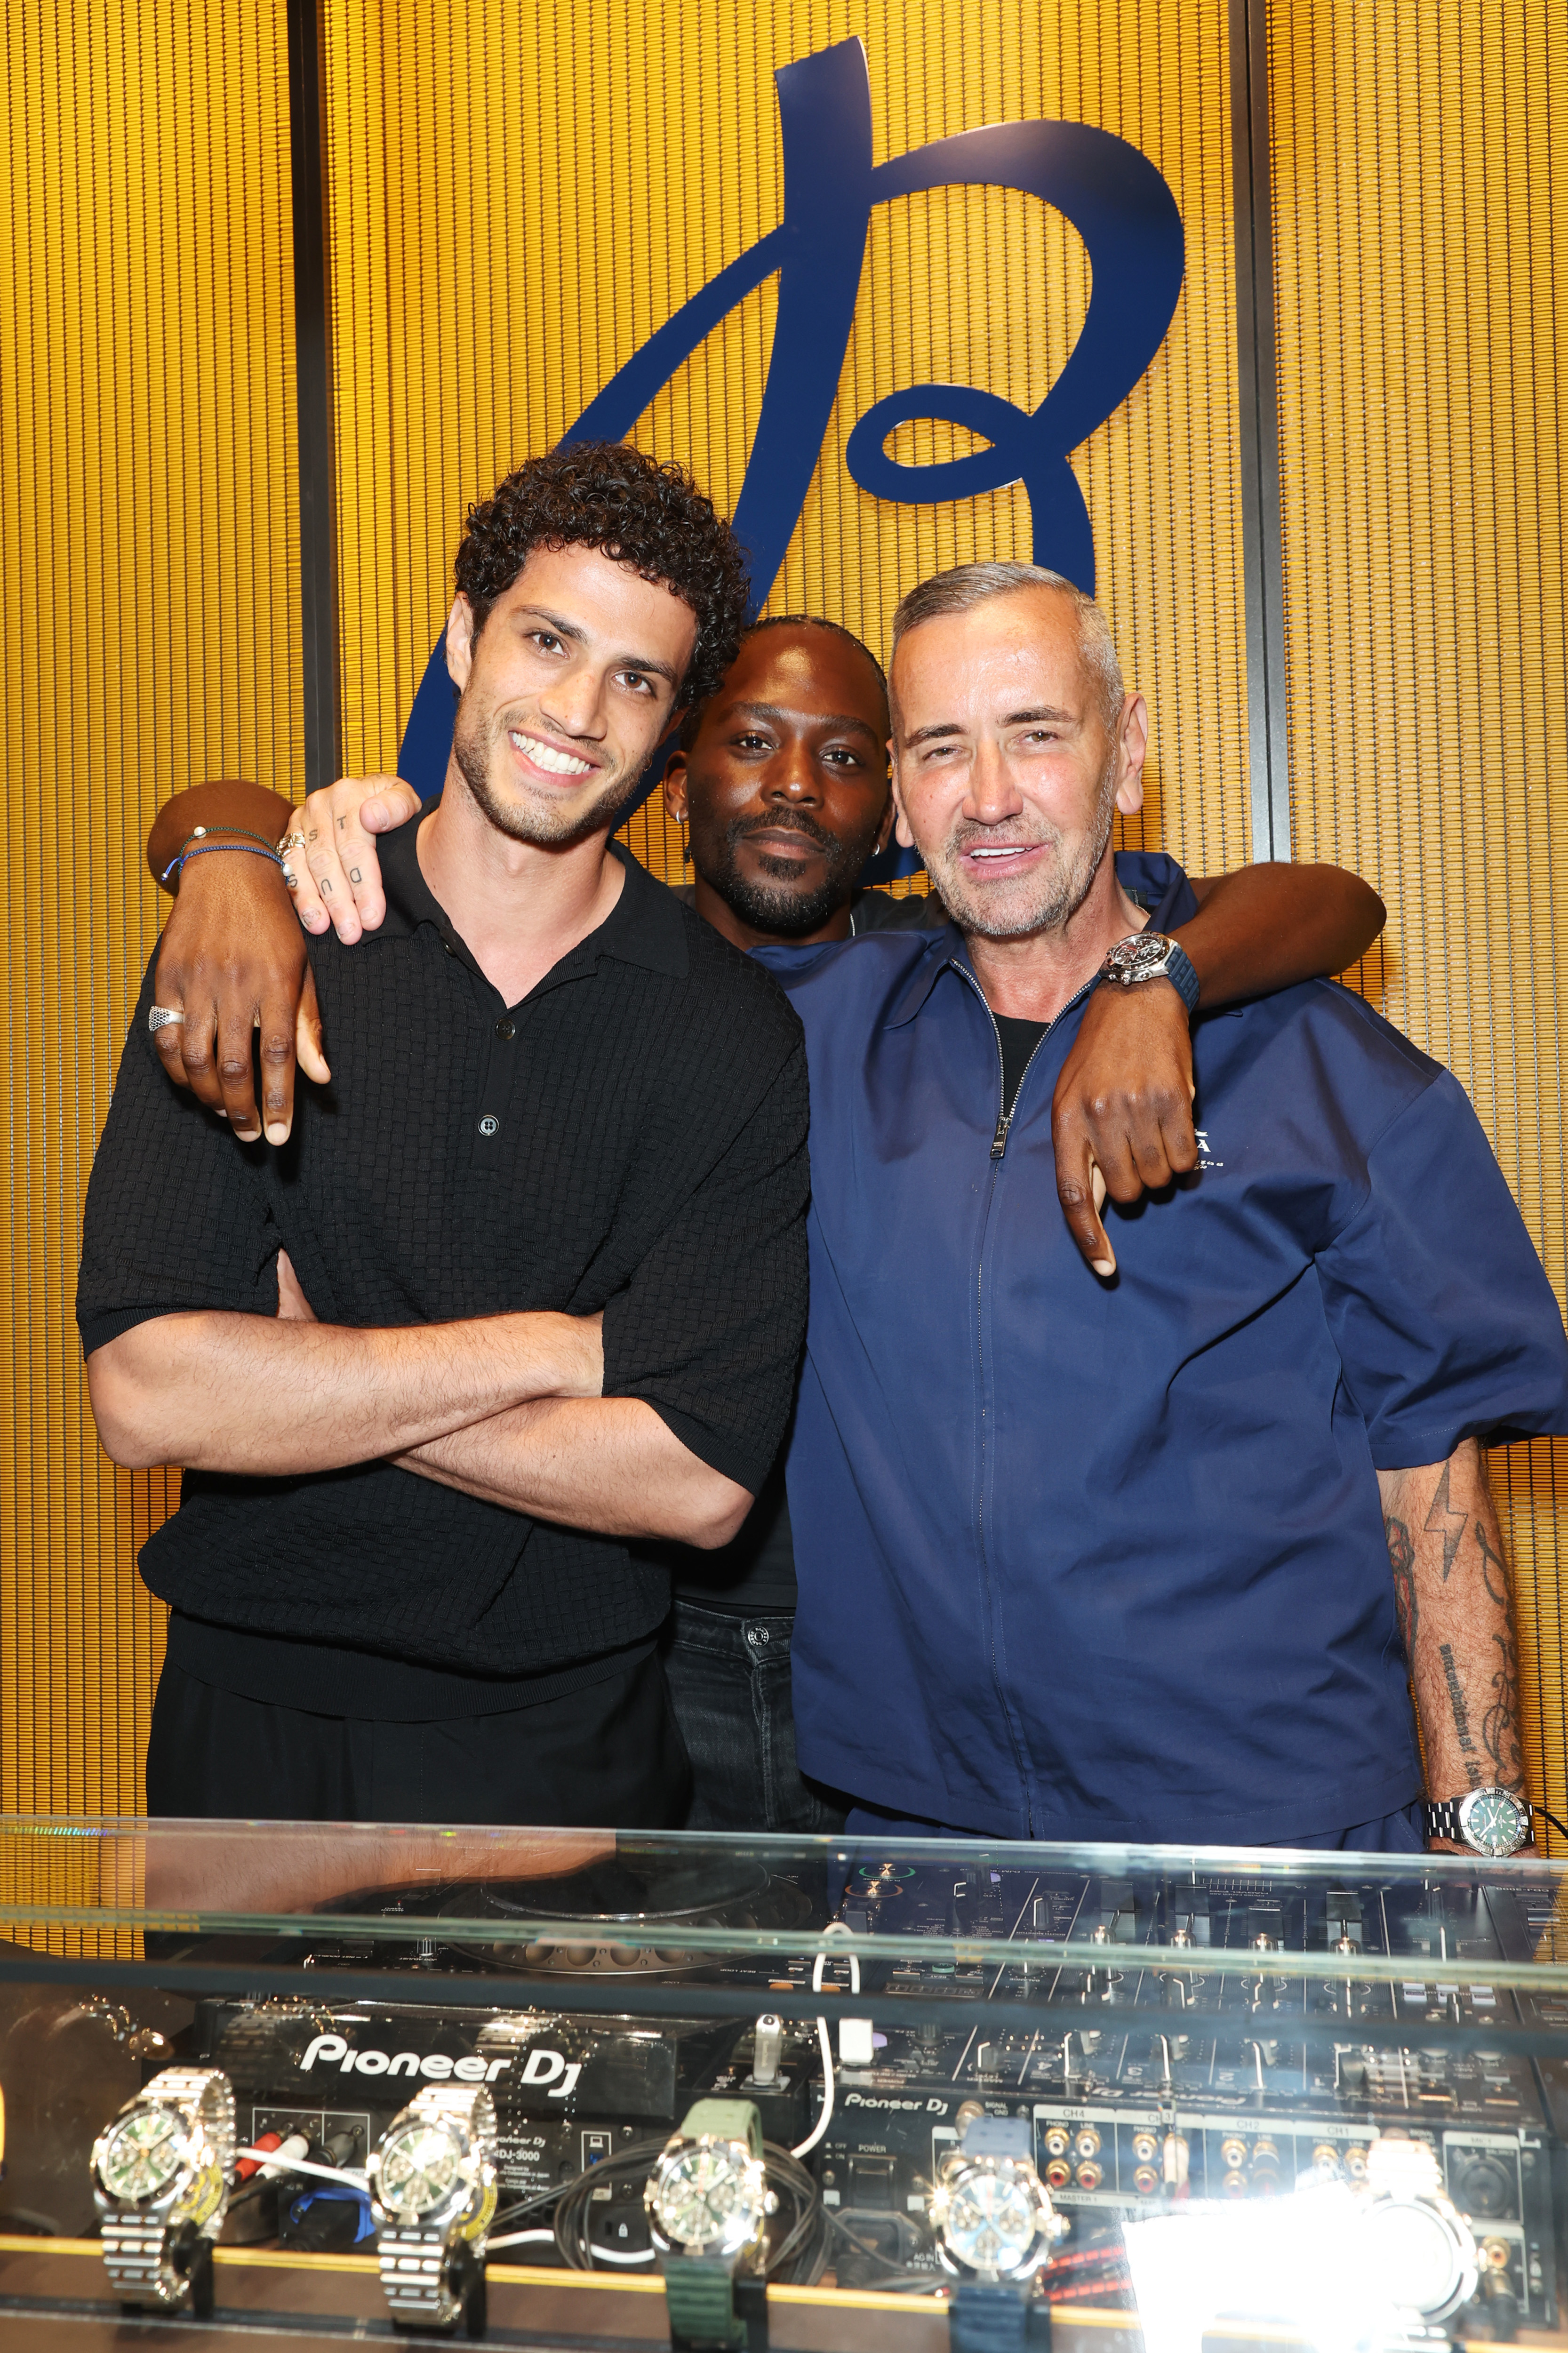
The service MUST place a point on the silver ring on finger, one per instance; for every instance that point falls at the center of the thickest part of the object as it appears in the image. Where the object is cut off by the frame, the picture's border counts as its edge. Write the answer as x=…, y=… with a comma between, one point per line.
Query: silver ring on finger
x=160, y=1015
x=290, y=842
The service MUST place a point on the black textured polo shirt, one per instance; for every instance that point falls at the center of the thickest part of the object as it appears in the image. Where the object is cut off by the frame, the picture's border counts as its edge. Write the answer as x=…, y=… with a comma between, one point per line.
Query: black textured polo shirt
x=631, y=1136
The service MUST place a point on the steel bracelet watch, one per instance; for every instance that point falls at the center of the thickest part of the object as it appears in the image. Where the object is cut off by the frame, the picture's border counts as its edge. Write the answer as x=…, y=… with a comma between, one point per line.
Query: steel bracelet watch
x=1490, y=1821
x=708, y=2203
x=994, y=2227
x=1151, y=955
x=1417, y=2251
x=161, y=2175
x=433, y=2197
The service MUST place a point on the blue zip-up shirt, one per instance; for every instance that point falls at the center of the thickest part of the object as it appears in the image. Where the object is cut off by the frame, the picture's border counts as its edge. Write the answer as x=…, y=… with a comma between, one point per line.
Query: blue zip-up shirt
x=1088, y=1560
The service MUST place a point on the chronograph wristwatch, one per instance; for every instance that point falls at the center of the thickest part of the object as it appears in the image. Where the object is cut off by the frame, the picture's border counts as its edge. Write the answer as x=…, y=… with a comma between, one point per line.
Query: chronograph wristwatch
x=708, y=2202
x=1490, y=1821
x=994, y=2227
x=1150, y=955
x=433, y=2197
x=161, y=2182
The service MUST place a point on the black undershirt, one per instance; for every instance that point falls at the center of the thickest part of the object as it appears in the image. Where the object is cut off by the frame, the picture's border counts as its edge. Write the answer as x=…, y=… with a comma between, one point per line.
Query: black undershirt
x=1019, y=1040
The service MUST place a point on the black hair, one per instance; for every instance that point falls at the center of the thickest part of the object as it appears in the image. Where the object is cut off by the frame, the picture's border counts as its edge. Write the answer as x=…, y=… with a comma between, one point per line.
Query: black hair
x=698, y=711
x=650, y=517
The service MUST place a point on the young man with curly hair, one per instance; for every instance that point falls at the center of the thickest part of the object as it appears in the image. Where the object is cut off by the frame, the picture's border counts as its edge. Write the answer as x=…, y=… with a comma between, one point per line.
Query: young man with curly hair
x=539, y=1242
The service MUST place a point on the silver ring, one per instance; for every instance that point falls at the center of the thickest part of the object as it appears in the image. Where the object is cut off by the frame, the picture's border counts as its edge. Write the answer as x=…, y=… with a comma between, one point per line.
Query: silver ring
x=290, y=842
x=160, y=1015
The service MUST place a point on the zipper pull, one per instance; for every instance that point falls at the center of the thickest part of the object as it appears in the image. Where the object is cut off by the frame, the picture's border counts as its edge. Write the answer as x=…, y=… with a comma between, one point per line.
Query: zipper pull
x=999, y=1141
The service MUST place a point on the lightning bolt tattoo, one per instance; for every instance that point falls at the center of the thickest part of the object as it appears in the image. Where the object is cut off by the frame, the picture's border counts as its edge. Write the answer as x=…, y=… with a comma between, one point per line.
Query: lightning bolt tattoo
x=1444, y=1521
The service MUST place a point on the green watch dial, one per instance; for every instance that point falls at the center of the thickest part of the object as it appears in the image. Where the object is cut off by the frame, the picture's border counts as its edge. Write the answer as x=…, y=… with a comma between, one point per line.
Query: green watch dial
x=419, y=2168
x=143, y=2154
x=1494, y=1824
x=704, y=2196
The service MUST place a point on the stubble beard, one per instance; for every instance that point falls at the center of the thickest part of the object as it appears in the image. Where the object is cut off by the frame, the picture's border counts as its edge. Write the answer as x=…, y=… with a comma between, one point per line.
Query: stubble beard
x=474, y=743
x=1063, y=888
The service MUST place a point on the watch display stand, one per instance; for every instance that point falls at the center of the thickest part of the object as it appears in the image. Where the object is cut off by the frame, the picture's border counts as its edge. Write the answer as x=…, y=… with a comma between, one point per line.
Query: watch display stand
x=1314, y=2099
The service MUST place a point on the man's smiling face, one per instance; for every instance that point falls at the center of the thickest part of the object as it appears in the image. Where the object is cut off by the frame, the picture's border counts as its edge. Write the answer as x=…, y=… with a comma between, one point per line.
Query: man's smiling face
x=566, y=693
x=1007, y=766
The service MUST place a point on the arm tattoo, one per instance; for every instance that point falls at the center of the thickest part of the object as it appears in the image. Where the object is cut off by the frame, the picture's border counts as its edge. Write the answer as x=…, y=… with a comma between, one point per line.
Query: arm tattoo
x=1490, y=1558
x=1402, y=1560
x=1499, y=1725
x=1451, y=1523
x=1457, y=1700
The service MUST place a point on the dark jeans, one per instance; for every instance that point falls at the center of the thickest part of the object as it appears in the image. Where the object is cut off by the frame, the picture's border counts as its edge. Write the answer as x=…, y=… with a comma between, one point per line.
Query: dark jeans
x=605, y=1756
x=729, y=1680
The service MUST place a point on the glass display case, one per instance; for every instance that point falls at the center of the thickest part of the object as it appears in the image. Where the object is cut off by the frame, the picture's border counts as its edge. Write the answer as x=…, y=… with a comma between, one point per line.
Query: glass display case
x=579, y=2088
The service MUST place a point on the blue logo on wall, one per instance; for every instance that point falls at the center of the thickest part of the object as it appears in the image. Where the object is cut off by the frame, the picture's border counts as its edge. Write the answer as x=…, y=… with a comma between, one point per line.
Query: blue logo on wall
x=1114, y=197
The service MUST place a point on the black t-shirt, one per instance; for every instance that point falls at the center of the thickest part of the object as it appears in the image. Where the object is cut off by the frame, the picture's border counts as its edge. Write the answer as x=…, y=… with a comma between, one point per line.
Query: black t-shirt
x=631, y=1137
x=1019, y=1040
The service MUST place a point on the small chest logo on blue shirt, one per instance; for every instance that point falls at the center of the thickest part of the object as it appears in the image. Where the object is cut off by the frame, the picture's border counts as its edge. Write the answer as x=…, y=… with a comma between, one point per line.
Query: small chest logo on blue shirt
x=1206, y=1150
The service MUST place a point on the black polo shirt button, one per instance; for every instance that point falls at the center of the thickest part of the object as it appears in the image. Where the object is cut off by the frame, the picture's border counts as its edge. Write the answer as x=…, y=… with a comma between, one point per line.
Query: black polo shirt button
x=489, y=1124
x=450, y=946
x=506, y=1031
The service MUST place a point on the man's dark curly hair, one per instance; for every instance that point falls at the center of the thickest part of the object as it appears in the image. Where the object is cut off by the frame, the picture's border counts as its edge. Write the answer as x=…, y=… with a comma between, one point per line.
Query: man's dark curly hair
x=691, y=725
x=651, y=518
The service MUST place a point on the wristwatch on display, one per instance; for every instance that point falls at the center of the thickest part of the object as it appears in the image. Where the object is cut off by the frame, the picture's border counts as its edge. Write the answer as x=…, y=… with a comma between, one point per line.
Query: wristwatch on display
x=161, y=2182
x=995, y=2225
x=708, y=2202
x=1417, y=2251
x=1490, y=1821
x=433, y=2196
x=1150, y=955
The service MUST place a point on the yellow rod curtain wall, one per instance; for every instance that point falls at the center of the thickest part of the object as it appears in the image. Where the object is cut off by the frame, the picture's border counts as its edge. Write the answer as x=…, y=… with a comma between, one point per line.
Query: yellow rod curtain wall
x=148, y=535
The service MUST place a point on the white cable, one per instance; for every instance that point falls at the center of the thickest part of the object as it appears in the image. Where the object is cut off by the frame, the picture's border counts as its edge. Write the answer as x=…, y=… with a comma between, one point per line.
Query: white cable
x=517, y=2238
x=271, y=2169
x=825, y=2118
x=608, y=2255
x=836, y=1928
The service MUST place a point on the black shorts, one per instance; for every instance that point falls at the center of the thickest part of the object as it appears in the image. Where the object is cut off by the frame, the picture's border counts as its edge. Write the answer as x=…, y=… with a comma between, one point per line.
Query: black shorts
x=608, y=1755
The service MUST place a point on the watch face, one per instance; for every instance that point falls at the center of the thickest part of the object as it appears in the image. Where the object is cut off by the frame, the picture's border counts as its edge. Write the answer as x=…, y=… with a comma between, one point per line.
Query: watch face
x=419, y=2170
x=706, y=2194
x=992, y=2220
x=1492, y=1821
x=1413, y=2258
x=143, y=2153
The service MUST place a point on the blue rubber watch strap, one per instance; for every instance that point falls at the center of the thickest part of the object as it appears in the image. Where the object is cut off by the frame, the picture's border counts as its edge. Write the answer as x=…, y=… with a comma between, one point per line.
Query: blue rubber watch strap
x=1179, y=972
x=987, y=2318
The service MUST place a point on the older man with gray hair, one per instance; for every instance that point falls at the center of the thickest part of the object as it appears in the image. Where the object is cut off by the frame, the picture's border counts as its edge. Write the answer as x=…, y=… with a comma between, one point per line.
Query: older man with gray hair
x=1149, y=1550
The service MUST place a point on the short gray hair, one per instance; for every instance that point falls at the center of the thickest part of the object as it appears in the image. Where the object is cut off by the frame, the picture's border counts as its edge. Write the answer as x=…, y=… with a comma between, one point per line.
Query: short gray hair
x=968, y=585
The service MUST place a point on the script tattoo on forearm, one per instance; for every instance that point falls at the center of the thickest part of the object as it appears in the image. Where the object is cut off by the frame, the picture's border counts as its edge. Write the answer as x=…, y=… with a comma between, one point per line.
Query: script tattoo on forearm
x=1499, y=1725
x=1402, y=1560
x=1460, y=1706
x=1442, y=1519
